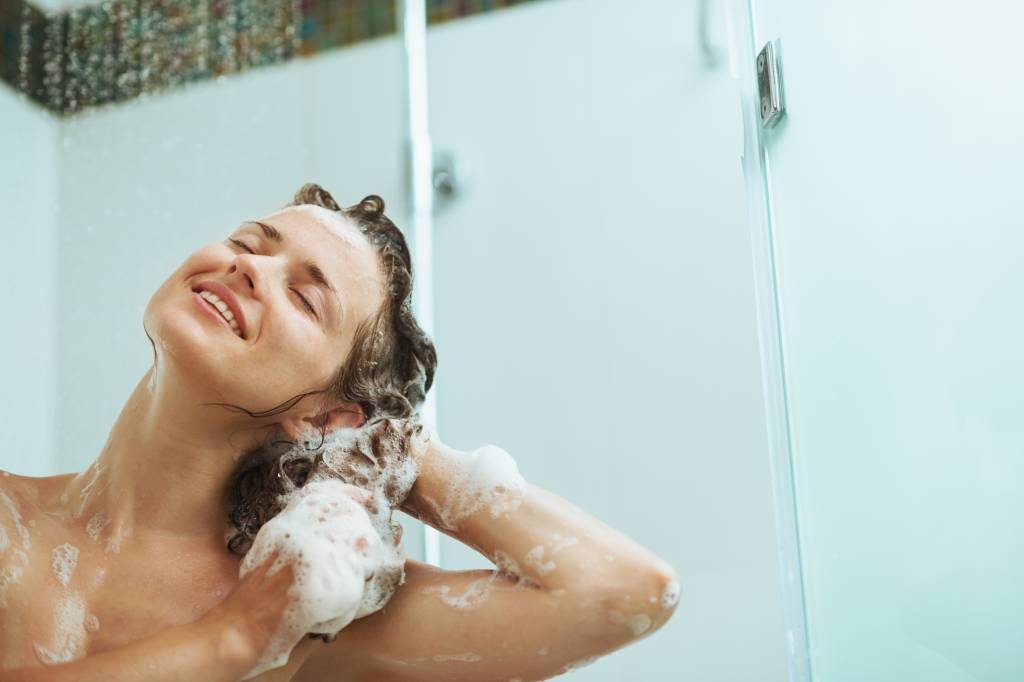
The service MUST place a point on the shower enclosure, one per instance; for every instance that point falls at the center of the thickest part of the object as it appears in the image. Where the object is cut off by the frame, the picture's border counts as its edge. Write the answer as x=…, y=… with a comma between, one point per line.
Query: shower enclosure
x=886, y=212
x=783, y=358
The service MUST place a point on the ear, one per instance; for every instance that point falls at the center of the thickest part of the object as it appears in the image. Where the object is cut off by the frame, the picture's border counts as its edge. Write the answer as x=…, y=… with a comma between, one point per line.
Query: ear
x=341, y=415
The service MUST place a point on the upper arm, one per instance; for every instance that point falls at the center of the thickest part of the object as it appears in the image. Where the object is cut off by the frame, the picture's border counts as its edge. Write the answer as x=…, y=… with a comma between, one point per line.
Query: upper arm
x=469, y=626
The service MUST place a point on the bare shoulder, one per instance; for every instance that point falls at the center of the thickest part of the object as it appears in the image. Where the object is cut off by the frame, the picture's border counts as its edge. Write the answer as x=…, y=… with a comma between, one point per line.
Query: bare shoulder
x=22, y=495
x=16, y=493
x=22, y=499
x=19, y=497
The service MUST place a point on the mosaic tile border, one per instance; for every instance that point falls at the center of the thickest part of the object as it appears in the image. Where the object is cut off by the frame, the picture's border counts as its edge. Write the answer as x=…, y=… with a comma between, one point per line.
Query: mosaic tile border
x=116, y=50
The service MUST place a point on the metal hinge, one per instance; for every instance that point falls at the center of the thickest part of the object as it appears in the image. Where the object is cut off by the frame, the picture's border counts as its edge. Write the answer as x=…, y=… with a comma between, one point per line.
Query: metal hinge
x=769, y=85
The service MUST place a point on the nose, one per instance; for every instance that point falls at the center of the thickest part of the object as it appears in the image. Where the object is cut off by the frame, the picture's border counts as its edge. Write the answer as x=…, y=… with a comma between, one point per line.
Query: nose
x=248, y=269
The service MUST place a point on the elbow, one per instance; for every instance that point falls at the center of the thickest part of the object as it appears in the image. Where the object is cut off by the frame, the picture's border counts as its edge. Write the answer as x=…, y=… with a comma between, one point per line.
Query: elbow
x=638, y=603
x=654, y=596
x=666, y=594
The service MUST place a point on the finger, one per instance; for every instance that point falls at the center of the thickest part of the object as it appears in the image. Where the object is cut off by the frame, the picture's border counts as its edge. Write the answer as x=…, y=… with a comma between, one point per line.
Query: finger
x=283, y=577
x=271, y=559
x=360, y=495
x=261, y=569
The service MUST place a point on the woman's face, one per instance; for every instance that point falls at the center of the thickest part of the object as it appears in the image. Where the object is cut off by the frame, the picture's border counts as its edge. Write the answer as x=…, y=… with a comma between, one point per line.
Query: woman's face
x=297, y=282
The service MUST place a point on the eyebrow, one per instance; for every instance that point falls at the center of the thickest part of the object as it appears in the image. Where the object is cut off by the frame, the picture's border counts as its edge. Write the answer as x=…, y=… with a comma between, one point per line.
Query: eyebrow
x=314, y=271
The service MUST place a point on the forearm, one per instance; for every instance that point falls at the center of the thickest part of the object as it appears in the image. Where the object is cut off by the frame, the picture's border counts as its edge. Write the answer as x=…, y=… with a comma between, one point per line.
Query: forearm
x=197, y=651
x=553, y=543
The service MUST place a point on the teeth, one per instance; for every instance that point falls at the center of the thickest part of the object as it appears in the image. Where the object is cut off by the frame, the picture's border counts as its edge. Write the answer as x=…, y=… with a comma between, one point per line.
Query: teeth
x=222, y=307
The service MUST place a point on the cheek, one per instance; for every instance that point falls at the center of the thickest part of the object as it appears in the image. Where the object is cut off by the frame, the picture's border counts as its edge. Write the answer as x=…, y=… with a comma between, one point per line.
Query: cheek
x=299, y=346
x=203, y=260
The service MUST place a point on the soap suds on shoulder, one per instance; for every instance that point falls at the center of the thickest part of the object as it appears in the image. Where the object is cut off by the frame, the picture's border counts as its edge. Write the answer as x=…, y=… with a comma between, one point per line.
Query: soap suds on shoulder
x=67, y=641
x=63, y=560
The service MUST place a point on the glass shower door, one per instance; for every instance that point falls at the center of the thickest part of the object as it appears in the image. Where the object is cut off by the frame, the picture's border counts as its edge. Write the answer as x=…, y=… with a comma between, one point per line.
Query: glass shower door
x=891, y=213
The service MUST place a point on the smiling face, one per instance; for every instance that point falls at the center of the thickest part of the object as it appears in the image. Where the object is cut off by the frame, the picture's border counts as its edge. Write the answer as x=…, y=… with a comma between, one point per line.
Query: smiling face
x=296, y=283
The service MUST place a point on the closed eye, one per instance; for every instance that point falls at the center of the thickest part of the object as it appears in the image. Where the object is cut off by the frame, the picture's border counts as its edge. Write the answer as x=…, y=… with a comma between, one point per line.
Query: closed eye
x=305, y=302
x=241, y=244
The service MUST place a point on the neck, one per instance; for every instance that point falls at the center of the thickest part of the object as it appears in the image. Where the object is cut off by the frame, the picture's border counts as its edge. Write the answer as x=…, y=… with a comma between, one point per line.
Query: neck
x=164, y=471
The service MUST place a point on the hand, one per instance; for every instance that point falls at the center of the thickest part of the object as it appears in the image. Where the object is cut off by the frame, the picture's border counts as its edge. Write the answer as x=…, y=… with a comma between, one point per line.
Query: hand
x=251, y=613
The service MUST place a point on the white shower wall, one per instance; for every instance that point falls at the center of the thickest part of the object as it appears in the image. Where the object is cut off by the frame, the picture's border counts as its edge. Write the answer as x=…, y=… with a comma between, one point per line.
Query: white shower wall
x=28, y=200
x=595, y=305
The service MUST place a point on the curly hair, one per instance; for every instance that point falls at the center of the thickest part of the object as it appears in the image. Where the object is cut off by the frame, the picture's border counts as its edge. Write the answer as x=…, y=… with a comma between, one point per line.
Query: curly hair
x=388, y=373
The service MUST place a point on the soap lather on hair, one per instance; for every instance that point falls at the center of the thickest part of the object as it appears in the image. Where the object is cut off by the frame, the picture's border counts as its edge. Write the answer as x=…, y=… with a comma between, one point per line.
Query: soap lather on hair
x=335, y=528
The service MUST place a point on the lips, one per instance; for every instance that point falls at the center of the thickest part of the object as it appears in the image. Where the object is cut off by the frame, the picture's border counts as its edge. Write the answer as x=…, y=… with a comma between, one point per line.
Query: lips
x=230, y=300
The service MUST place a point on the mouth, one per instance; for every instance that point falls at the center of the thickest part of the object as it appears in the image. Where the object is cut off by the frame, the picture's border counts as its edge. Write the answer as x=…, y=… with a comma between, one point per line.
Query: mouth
x=220, y=303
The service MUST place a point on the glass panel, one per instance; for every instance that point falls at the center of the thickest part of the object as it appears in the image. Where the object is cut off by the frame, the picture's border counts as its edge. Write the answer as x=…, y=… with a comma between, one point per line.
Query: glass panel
x=897, y=215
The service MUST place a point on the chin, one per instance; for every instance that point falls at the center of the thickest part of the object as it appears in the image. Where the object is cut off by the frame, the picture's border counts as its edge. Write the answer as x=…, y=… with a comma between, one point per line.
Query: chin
x=194, y=346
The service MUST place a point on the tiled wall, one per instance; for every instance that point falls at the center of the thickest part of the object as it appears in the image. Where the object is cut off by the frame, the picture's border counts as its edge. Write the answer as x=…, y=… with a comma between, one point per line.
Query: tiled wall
x=119, y=49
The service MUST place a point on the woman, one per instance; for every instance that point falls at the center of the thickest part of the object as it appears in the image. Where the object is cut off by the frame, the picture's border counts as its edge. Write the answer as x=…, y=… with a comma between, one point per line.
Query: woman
x=123, y=573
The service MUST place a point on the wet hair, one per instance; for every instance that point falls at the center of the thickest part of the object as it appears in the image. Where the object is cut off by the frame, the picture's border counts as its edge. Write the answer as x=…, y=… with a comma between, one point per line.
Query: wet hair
x=387, y=373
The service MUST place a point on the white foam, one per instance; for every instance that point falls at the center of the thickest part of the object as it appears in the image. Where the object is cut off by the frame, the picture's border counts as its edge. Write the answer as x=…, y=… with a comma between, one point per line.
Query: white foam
x=47, y=657
x=8, y=577
x=63, y=560
x=467, y=657
x=670, y=597
x=638, y=623
x=535, y=559
x=21, y=530
x=504, y=561
x=17, y=549
x=379, y=457
x=475, y=595
x=68, y=637
x=334, y=550
x=346, y=556
x=487, y=478
x=561, y=543
x=92, y=623
x=113, y=545
x=543, y=652
x=509, y=568
x=97, y=522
